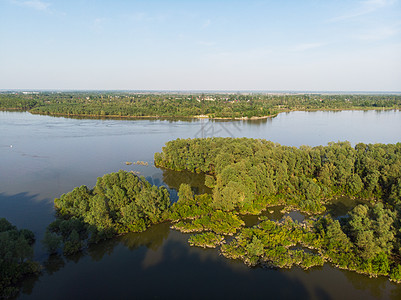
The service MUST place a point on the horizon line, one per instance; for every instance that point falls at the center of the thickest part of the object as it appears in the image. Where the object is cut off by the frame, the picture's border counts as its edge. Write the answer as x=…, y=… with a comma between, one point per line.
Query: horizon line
x=196, y=91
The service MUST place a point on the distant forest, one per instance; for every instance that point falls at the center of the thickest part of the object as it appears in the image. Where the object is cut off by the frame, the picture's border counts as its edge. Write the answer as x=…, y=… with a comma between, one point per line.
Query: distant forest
x=159, y=105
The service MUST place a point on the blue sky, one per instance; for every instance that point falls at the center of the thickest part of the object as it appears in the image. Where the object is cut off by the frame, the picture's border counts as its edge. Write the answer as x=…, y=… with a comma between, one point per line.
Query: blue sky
x=314, y=45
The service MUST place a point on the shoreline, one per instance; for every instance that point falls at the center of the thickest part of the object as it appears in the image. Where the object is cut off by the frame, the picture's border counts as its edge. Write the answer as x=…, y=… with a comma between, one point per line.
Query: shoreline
x=197, y=117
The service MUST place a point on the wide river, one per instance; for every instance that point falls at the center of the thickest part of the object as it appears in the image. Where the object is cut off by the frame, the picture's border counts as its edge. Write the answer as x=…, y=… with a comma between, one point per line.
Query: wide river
x=42, y=157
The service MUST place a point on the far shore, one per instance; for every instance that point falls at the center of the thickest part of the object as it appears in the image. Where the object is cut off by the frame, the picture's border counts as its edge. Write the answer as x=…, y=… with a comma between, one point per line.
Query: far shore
x=209, y=117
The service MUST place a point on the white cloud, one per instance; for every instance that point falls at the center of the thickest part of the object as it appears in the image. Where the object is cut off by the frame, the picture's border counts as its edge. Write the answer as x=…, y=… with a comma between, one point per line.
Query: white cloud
x=379, y=3
x=35, y=4
x=380, y=33
x=364, y=8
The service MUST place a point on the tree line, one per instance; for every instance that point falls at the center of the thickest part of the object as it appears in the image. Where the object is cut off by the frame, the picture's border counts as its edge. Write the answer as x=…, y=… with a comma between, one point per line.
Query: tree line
x=120, y=104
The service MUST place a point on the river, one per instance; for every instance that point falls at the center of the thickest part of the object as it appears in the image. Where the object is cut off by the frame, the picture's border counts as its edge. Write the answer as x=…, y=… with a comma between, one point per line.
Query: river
x=43, y=157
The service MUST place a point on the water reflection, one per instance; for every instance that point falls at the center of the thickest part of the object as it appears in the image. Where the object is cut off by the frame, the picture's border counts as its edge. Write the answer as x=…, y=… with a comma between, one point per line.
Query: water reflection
x=296, y=216
x=58, y=154
x=27, y=285
x=27, y=211
x=53, y=264
x=339, y=207
x=197, y=181
x=149, y=119
x=163, y=254
x=342, y=284
x=377, y=287
x=152, y=238
x=273, y=213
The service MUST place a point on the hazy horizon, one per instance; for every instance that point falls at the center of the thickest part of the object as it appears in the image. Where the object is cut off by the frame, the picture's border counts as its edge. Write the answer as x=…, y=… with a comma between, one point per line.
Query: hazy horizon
x=195, y=91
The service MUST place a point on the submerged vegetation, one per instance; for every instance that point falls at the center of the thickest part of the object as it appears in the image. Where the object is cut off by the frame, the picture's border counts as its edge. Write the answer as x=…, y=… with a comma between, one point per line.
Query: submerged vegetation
x=206, y=240
x=270, y=243
x=16, y=254
x=248, y=176
x=245, y=176
x=320, y=240
x=195, y=214
x=245, y=105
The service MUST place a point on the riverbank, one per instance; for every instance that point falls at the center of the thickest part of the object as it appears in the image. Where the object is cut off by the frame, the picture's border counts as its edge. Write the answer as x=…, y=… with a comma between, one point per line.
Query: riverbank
x=186, y=118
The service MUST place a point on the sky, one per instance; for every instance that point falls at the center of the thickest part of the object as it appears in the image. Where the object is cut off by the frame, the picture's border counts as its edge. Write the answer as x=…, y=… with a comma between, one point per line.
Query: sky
x=300, y=45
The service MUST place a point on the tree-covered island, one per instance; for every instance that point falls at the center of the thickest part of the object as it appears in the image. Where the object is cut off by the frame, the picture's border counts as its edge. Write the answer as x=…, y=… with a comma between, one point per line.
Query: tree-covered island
x=186, y=105
x=247, y=177
x=119, y=203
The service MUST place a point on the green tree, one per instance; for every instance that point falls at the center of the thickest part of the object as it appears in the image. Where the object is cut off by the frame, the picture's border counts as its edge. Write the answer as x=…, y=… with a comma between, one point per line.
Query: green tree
x=51, y=241
x=185, y=194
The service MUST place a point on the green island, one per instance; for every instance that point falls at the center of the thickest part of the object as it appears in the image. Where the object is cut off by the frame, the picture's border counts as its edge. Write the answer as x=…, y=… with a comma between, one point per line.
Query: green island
x=119, y=203
x=247, y=177
x=16, y=254
x=186, y=105
x=250, y=175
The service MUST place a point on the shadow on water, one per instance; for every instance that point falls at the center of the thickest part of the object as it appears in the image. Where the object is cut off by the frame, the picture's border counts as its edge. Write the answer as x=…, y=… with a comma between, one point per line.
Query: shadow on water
x=27, y=285
x=173, y=179
x=377, y=287
x=27, y=211
x=162, y=257
x=340, y=206
x=152, y=238
x=157, y=263
x=197, y=181
x=322, y=294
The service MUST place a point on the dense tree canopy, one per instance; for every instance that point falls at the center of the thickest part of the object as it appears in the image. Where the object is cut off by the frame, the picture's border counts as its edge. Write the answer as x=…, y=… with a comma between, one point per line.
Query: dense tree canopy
x=15, y=257
x=372, y=230
x=120, y=202
x=120, y=104
x=249, y=174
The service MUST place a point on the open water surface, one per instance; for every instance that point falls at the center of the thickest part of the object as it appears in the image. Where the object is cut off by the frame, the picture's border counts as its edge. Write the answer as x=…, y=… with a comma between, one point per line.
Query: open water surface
x=42, y=157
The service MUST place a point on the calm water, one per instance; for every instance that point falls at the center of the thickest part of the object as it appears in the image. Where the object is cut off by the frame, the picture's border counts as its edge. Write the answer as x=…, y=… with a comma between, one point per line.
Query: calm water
x=50, y=156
